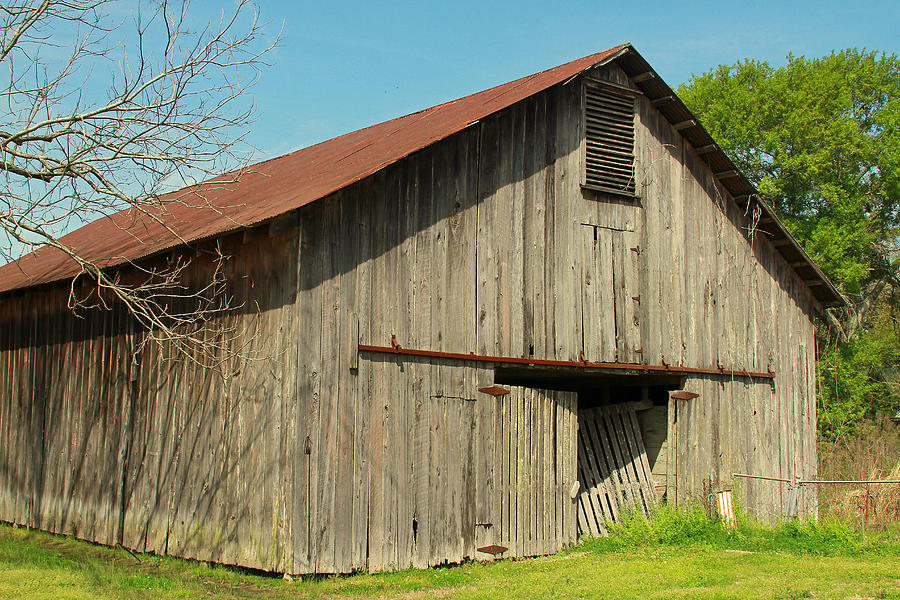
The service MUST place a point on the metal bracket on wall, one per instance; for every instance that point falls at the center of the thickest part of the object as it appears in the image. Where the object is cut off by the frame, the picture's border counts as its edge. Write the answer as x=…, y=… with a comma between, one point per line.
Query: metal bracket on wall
x=494, y=390
x=493, y=549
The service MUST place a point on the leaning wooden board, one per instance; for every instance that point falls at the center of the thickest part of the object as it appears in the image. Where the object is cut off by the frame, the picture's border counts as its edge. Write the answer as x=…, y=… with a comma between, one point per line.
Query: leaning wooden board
x=613, y=469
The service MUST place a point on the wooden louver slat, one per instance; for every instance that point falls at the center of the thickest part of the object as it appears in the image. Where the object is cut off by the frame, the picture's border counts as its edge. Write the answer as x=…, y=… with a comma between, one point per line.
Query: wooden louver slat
x=609, y=133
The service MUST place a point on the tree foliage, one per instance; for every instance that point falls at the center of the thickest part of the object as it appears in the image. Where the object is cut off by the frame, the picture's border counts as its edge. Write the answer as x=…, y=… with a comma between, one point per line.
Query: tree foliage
x=858, y=379
x=820, y=139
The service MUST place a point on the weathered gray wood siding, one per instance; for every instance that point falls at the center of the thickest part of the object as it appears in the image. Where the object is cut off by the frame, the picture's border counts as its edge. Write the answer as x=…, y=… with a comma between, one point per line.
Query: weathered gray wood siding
x=486, y=243
x=157, y=455
x=712, y=293
x=426, y=254
x=315, y=457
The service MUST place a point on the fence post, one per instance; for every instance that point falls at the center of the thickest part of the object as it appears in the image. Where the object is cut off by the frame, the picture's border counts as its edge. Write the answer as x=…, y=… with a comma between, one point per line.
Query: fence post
x=793, y=503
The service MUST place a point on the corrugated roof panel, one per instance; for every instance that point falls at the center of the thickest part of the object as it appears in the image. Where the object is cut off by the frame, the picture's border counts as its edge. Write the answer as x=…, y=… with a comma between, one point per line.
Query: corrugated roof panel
x=274, y=187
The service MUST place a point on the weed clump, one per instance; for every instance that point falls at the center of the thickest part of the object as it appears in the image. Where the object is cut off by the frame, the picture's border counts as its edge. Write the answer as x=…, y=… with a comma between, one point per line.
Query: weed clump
x=692, y=526
x=666, y=526
x=827, y=537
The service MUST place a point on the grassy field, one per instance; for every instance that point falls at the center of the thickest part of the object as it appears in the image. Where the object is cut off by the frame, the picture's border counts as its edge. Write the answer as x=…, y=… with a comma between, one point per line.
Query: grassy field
x=676, y=556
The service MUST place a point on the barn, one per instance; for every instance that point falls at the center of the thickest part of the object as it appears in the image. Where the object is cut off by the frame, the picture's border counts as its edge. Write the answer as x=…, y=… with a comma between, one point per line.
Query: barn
x=479, y=330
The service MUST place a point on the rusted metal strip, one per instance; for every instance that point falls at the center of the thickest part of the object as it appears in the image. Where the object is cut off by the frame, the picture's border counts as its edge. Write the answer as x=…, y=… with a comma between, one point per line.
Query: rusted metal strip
x=399, y=350
x=684, y=395
x=494, y=390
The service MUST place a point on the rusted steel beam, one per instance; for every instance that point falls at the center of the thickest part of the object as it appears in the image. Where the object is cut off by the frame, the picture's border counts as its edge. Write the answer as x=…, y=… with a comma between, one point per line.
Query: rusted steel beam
x=494, y=390
x=472, y=357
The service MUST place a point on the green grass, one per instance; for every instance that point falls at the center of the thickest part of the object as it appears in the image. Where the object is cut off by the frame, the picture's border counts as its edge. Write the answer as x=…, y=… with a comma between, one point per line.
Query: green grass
x=674, y=555
x=692, y=528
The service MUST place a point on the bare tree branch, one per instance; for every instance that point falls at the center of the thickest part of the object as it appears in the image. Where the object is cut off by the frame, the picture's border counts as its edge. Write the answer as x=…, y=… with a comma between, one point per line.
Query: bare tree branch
x=103, y=113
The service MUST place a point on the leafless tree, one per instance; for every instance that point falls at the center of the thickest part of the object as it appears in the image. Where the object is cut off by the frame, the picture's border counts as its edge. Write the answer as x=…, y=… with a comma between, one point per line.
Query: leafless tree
x=108, y=106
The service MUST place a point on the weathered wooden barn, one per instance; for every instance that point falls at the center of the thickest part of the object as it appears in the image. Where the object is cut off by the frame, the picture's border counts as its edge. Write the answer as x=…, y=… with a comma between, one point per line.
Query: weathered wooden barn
x=478, y=329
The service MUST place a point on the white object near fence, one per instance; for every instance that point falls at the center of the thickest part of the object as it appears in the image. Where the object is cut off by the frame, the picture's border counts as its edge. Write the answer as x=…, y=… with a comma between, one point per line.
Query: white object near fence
x=725, y=507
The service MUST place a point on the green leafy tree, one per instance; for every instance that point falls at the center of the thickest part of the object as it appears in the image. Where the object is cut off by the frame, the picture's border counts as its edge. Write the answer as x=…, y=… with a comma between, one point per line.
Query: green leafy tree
x=820, y=138
x=857, y=379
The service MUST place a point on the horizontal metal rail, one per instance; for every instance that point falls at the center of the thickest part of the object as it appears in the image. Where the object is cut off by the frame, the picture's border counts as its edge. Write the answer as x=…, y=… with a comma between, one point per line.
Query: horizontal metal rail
x=795, y=488
x=817, y=481
x=855, y=481
x=675, y=370
x=745, y=476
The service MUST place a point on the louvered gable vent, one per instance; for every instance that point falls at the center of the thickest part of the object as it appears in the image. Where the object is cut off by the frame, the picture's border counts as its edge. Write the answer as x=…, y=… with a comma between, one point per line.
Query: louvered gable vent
x=609, y=139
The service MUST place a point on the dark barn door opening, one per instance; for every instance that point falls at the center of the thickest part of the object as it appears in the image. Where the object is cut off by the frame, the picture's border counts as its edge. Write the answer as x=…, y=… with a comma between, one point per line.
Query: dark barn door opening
x=615, y=470
x=622, y=438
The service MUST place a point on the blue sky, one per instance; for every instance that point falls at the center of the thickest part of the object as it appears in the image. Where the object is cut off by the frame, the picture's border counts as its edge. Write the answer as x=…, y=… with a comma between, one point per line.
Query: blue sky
x=342, y=66
x=345, y=65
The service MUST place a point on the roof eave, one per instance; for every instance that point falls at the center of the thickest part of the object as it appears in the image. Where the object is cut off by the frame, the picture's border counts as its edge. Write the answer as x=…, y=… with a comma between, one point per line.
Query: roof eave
x=734, y=181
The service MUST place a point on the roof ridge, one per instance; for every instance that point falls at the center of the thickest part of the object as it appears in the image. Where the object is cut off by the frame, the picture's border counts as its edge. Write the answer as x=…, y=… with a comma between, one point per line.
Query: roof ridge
x=261, y=191
x=431, y=108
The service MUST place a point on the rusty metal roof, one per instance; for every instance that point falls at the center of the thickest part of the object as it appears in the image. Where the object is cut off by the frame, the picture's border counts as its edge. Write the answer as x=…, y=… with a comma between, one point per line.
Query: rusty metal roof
x=277, y=186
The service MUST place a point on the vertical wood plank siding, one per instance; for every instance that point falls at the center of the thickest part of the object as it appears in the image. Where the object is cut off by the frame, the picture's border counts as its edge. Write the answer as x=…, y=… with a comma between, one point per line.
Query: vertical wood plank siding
x=158, y=455
x=307, y=456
